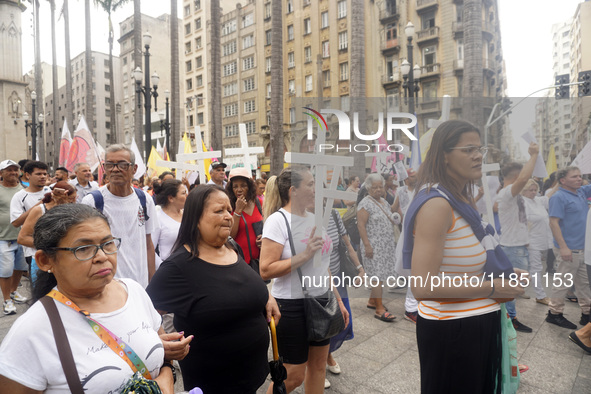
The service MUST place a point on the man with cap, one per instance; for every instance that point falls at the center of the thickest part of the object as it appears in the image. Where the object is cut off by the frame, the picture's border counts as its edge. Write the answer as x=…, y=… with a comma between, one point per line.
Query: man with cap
x=217, y=174
x=12, y=258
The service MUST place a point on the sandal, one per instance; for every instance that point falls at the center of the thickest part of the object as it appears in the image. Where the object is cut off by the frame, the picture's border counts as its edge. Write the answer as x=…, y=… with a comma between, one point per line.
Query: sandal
x=373, y=307
x=386, y=316
x=523, y=368
x=572, y=298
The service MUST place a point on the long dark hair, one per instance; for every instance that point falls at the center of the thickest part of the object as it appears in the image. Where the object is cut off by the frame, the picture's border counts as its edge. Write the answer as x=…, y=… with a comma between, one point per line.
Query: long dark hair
x=434, y=170
x=189, y=230
x=251, y=194
x=168, y=188
x=50, y=229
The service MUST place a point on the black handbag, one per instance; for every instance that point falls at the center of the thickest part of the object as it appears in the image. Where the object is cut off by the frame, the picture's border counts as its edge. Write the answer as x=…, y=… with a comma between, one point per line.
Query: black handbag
x=324, y=318
x=348, y=268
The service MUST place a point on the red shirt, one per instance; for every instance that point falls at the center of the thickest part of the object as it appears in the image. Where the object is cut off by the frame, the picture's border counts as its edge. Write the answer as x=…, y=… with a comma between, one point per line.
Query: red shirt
x=241, y=238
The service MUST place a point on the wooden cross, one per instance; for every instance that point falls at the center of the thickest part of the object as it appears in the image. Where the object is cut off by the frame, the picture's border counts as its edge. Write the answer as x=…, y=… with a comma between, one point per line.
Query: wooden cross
x=198, y=157
x=249, y=154
x=180, y=166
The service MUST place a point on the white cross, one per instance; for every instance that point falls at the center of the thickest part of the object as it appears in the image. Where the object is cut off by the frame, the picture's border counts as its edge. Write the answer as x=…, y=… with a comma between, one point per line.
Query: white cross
x=487, y=197
x=199, y=156
x=320, y=162
x=180, y=166
x=249, y=154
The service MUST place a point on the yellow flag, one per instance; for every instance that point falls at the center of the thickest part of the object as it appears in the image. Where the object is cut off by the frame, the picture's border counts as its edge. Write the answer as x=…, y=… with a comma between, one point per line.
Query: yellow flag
x=187, y=142
x=206, y=162
x=551, y=162
x=425, y=142
x=153, y=169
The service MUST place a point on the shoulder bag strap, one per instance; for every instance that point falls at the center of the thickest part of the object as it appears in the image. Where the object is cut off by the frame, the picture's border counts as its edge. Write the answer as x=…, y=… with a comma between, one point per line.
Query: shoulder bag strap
x=336, y=222
x=379, y=204
x=293, y=252
x=247, y=237
x=63, y=346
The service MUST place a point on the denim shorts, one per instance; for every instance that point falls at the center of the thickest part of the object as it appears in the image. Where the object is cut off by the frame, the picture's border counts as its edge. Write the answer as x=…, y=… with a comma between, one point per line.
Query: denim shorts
x=12, y=258
x=518, y=256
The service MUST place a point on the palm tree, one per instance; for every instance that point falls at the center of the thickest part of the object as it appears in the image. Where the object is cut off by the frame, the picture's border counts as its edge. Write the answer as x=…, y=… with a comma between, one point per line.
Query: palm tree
x=89, y=115
x=175, y=96
x=69, y=106
x=216, y=78
x=472, y=86
x=55, y=88
x=110, y=6
x=276, y=124
x=137, y=62
x=357, y=77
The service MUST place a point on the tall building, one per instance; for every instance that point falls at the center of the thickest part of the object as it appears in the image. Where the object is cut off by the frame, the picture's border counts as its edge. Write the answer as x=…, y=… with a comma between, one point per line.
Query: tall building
x=581, y=61
x=159, y=29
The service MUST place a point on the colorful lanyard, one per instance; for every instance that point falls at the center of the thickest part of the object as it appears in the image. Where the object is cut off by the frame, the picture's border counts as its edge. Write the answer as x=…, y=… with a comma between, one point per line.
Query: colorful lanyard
x=115, y=343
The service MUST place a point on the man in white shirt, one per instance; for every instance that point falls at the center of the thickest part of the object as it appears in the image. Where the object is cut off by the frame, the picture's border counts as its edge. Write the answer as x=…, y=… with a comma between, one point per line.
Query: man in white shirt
x=514, y=235
x=217, y=174
x=83, y=181
x=130, y=219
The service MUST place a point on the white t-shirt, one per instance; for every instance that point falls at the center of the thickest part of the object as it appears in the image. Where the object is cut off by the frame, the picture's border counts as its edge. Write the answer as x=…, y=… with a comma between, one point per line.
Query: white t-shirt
x=538, y=223
x=405, y=196
x=28, y=354
x=127, y=221
x=164, y=235
x=21, y=202
x=513, y=218
x=588, y=240
x=289, y=286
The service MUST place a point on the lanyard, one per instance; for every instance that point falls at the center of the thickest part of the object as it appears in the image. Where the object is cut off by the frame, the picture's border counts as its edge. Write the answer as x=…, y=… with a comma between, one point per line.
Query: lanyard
x=114, y=343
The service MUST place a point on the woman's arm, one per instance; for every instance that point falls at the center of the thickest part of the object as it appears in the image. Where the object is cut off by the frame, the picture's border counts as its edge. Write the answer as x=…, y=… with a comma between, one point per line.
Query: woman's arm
x=271, y=265
x=165, y=380
x=12, y=387
x=176, y=346
x=362, y=218
x=272, y=309
x=25, y=236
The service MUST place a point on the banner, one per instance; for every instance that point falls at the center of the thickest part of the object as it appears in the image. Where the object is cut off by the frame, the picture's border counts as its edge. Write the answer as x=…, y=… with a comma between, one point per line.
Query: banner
x=65, y=143
x=141, y=167
x=583, y=159
x=551, y=165
x=153, y=169
x=83, y=148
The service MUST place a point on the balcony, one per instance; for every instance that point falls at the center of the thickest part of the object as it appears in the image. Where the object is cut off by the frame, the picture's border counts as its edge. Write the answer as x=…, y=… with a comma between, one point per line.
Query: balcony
x=430, y=70
x=390, y=80
x=488, y=29
x=457, y=28
x=459, y=65
x=423, y=5
x=488, y=65
x=390, y=47
x=389, y=15
x=431, y=106
x=429, y=34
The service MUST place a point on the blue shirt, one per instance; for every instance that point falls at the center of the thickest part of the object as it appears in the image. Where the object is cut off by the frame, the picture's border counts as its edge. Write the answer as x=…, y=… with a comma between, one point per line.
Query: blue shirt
x=571, y=208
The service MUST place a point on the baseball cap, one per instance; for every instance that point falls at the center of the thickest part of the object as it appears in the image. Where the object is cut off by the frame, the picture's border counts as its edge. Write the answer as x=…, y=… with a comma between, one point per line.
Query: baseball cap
x=240, y=171
x=8, y=163
x=217, y=164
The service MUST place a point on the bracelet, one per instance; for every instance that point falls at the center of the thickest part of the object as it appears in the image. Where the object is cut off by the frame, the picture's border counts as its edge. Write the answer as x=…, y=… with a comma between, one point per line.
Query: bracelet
x=359, y=267
x=172, y=368
x=237, y=214
x=493, y=290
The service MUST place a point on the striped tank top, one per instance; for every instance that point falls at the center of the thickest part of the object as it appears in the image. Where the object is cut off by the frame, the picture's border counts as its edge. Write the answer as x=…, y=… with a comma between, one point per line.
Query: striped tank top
x=463, y=254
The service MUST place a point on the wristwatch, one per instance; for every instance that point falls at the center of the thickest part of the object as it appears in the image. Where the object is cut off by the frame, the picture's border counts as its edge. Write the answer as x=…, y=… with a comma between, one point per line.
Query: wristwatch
x=172, y=368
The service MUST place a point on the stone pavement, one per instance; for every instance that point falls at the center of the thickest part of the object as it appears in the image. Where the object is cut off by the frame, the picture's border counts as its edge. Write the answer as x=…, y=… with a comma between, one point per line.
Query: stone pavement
x=383, y=358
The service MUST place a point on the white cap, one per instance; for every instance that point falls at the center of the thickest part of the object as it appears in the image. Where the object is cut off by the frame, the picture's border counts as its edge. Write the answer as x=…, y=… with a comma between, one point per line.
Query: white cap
x=8, y=163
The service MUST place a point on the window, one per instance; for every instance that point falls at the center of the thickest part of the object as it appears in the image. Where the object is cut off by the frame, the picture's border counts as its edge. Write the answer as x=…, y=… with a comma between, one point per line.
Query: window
x=230, y=89
x=428, y=20
x=325, y=49
x=199, y=80
x=306, y=2
x=430, y=90
x=268, y=90
x=248, y=63
x=267, y=11
x=199, y=98
x=251, y=127
x=268, y=37
x=309, y=83
x=229, y=48
x=124, y=60
x=292, y=115
x=125, y=77
x=230, y=110
x=429, y=55
x=289, y=32
x=291, y=86
x=268, y=65
x=107, y=112
x=231, y=130
x=198, y=43
x=324, y=19
x=107, y=101
x=289, y=6
x=249, y=106
x=187, y=10
x=188, y=47
x=342, y=9
x=106, y=62
x=308, y=54
x=229, y=27
x=197, y=5
x=290, y=60
x=229, y=68
x=188, y=66
x=326, y=78
x=343, y=42
x=107, y=88
x=344, y=71
x=107, y=75
x=307, y=26
x=198, y=62
x=248, y=84
x=247, y=41
x=248, y=20
x=189, y=83
x=187, y=28
x=461, y=49
x=197, y=23
x=191, y=121
x=200, y=121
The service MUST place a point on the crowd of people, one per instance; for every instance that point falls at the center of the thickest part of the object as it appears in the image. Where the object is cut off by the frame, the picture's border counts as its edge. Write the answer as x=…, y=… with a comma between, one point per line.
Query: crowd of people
x=178, y=271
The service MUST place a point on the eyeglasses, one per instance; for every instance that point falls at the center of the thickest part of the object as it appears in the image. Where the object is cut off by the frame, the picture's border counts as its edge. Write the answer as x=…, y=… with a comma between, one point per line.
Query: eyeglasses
x=471, y=150
x=87, y=252
x=122, y=165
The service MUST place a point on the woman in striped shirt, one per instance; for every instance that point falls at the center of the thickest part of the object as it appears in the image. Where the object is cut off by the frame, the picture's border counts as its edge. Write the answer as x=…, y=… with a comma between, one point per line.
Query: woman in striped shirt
x=458, y=328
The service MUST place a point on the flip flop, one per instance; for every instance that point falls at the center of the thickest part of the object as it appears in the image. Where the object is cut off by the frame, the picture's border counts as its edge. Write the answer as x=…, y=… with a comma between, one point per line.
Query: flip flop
x=386, y=316
x=572, y=299
x=373, y=307
x=523, y=368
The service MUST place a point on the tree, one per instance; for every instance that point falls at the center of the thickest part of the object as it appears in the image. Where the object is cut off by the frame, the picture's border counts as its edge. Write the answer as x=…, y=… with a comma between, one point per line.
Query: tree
x=137, y=61
x=357, y=78
x=276, y=124
x=89, y=108
x=473, y=81
x=110, y=6
x=69, y=106
x=55, y=88
x=216, y=78
x=175, y=97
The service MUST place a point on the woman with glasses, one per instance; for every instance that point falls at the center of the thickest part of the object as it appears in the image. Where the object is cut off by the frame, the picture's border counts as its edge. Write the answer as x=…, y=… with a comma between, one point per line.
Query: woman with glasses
x=77, y=258
x=459, y=322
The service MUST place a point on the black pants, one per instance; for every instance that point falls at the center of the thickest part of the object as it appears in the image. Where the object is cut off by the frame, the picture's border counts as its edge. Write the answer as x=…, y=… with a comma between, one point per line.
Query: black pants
x=460, y=355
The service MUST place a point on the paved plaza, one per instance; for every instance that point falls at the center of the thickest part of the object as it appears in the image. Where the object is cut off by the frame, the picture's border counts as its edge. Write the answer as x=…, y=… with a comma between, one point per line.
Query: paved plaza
x=383, y=357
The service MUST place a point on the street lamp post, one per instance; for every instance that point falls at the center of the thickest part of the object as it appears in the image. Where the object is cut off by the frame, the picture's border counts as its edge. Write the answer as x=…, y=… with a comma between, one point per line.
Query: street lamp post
x=411, y=75
x=165, y=121
x=35, y=124
x=147, y=92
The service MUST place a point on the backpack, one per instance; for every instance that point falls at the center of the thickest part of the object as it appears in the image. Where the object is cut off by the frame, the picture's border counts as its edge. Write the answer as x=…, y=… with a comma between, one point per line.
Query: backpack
x=99, y=202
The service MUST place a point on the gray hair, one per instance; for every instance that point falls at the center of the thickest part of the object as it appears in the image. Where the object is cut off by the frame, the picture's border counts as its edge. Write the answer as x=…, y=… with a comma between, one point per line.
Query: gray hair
x=562, y=173
x=118, y=148
x=371, y=178
x=78, y=165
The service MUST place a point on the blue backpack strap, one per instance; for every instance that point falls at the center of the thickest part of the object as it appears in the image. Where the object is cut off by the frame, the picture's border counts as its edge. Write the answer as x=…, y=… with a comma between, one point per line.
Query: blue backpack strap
x=142, y=196
x=99, y=202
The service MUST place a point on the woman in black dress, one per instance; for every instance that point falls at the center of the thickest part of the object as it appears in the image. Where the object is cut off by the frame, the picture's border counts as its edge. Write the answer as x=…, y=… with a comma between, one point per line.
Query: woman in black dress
x=217, y=297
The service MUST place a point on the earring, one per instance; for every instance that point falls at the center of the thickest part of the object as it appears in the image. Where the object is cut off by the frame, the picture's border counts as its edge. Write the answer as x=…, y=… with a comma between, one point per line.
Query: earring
x=49, y=271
